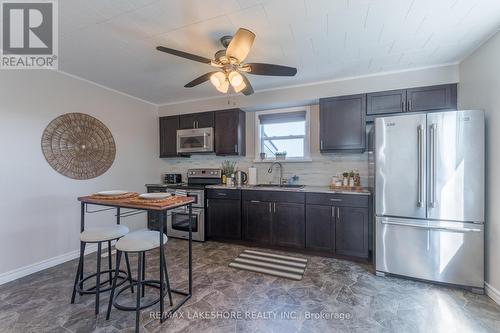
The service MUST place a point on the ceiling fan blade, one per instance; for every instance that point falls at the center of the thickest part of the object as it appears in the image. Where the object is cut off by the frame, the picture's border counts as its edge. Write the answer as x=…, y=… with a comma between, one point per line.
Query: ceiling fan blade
x=248, y=90
x=270, y=69
x=183, y=54
x=199, y=80
x=240, y=45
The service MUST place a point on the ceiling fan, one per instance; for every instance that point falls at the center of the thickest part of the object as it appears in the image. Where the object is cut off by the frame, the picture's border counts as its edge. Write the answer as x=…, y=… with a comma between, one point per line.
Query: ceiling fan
x=229, y=63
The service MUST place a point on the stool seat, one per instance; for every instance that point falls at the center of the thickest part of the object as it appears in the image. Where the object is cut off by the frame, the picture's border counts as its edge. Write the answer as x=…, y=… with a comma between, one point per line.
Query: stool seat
x=105, y=233
x=141, y=240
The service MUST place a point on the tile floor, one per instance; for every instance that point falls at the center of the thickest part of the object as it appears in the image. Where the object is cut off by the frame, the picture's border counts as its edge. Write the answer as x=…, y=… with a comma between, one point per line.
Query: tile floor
x=334, y=295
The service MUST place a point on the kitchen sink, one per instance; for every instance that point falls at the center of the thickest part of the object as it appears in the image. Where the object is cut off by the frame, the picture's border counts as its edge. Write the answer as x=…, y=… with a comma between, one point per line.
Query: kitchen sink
x=282, y=186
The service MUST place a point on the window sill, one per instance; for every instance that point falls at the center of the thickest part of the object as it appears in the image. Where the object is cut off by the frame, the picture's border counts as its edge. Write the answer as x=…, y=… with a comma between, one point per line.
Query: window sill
x=302, y=160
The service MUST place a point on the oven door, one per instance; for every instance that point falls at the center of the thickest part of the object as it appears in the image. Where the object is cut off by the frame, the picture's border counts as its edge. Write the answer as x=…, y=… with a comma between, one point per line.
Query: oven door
x=178, y=224
x=197, y=140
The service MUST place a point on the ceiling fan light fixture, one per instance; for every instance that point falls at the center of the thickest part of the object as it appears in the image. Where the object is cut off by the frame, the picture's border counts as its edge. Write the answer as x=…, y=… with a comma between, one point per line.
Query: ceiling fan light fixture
x=240, y=87
x=235, y=79
x=217, y=79
x=220, y=82
x=224, y=87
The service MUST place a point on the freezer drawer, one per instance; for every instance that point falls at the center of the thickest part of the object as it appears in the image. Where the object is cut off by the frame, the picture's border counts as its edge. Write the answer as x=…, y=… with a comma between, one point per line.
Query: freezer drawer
x=448, y=252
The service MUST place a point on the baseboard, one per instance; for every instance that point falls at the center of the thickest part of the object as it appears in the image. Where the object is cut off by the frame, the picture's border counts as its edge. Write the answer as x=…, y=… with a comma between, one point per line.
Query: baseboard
x=493, y=293
x=44, y=264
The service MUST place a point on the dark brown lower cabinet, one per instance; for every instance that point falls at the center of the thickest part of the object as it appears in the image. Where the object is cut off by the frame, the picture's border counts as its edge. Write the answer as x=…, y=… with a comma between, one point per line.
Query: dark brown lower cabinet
x=351, y=232
x=288, y=224
x=224, y=219
x=257, y=219
x=320, y=228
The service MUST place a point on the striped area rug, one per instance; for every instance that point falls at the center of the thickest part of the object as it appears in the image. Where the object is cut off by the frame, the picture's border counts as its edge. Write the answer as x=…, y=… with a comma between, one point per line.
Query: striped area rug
x=271, y=264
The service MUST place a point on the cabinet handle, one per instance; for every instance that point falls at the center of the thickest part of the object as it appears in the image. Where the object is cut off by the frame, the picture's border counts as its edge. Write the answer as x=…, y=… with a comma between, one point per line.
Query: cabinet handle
x=409, y=105
x=333, y=214
x=270, y=208
x=338, y=200
x=338, y=214
x=403, y=106
x=254, y=201
x=221, y=194
x=321, y=144
x=236, y=148
x=208, y=203
x=274, y=205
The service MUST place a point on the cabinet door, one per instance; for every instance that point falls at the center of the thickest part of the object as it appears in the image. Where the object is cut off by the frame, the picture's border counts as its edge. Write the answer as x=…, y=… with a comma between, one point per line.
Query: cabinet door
x=196, y=120
x=288, y=224
x=342, y=123
x=187, y=121
x=168, y=136
x=351, y=231
x=442, y=97
x=230, y=132
x=257, y=221
x=320, y=228
x=224, y=219
x=380, y=103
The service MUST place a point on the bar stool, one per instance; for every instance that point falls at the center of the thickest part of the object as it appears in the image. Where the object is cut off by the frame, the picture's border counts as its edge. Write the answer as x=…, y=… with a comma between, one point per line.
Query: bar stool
x=100, y=235
x=138, y=242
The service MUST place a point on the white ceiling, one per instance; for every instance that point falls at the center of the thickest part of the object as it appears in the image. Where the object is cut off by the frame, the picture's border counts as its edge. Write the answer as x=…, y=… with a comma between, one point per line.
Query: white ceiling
x=112, y=42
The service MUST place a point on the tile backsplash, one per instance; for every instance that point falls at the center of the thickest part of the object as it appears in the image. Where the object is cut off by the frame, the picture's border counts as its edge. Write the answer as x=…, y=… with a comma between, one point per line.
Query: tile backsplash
x=316, y=173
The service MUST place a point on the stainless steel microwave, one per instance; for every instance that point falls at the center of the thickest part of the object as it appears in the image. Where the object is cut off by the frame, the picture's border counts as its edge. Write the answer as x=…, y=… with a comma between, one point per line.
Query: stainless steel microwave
x=196, y=140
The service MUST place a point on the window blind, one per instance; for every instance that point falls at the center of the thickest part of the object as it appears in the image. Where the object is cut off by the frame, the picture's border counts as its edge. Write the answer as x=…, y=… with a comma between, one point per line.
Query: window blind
x=286, y=117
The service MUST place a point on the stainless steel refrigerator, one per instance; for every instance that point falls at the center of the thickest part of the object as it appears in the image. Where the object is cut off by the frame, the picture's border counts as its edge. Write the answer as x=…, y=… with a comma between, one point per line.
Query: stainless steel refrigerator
x=429, y=184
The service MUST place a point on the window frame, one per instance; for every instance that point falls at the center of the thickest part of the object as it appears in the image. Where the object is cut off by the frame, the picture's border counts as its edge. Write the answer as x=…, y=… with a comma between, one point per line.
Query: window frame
x=307, y=135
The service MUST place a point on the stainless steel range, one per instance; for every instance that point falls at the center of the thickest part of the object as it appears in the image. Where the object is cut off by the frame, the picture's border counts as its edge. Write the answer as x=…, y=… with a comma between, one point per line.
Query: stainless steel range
x=177, y=223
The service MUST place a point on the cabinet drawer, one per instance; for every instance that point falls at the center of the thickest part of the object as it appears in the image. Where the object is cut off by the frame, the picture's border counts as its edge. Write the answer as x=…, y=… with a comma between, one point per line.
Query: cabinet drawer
x=274, y=196
x=341, y=200
x=224, y=194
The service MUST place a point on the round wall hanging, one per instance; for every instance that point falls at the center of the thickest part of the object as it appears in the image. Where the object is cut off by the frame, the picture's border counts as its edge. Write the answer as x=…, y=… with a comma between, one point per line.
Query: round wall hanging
x=78, y=146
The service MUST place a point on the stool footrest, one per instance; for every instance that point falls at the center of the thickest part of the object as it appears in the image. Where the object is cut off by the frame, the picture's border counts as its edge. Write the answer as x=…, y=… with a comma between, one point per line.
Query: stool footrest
x=123, y=276
x=149, y=283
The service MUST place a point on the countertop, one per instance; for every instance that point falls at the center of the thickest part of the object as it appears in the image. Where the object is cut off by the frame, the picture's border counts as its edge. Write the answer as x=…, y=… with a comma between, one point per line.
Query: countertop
x=312, y=189
x=307, y=188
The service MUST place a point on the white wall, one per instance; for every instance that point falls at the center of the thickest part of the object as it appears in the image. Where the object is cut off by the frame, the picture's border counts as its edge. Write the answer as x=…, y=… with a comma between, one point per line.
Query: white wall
x=310, y=93
x=480, y=88
x=324, y=166
x=40, y=215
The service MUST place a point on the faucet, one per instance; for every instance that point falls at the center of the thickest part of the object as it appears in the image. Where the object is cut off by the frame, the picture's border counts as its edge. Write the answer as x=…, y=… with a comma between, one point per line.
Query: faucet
x=281, y=171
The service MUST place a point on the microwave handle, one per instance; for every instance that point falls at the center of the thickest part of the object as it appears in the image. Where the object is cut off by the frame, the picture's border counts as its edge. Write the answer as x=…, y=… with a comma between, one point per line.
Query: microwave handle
x=205, y=139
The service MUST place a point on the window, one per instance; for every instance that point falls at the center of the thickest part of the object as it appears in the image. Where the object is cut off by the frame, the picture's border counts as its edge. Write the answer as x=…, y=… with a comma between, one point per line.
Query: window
x=280, y=131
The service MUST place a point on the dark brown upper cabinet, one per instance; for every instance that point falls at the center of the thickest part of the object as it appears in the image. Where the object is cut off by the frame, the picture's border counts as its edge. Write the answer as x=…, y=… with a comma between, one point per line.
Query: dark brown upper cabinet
x=442, y=97
x=393, y=101
x=342, y=123
x=230, y=132
x=168, y=136
x=197, y=120
x=422, y=99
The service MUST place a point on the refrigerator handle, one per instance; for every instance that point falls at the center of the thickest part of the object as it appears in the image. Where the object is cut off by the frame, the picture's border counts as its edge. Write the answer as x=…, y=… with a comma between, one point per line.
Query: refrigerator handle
x=420, y=166
x=432, y=175
x=428, y=227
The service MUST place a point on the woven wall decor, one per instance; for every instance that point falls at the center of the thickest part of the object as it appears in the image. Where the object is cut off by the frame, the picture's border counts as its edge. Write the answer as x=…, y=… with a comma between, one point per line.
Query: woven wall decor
x=78, y=146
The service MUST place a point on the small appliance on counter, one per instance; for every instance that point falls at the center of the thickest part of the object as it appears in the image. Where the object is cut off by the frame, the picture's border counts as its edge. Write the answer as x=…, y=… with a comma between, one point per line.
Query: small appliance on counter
x=173, y=178
x=241, y=178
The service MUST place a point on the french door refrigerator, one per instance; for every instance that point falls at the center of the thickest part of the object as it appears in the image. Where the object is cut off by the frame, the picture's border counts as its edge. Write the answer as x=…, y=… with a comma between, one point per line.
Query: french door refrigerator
x=429, y=180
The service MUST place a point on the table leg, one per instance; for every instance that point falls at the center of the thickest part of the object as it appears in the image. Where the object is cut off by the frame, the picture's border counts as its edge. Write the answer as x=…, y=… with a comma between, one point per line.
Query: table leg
x=161, y=217
x=82, y=227
x=190, y=251
x=118, y=215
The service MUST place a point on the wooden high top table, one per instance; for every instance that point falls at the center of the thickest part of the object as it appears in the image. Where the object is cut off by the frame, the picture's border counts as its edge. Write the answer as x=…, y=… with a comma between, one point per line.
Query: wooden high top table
x=161, y=210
